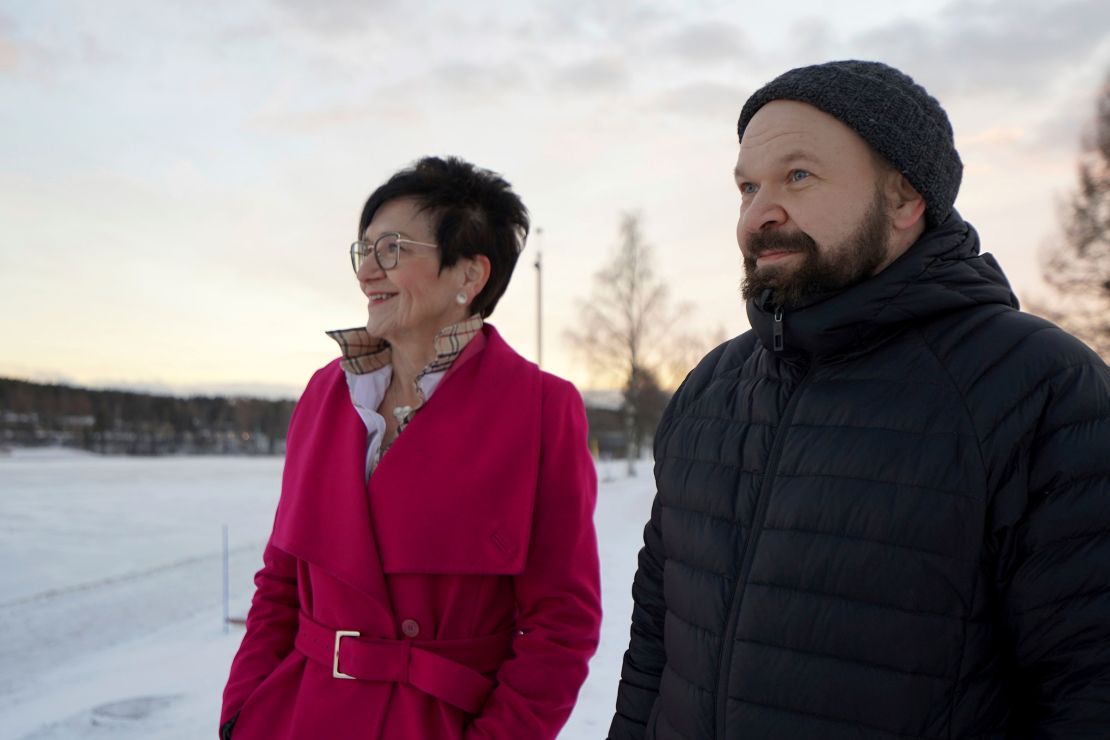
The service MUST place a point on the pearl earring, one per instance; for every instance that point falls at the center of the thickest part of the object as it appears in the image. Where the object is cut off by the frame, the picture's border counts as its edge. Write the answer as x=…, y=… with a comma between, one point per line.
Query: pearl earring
x=461, y=299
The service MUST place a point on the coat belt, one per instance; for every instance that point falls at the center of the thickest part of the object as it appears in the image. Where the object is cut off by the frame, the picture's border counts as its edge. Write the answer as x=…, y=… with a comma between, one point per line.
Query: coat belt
x=449, y=670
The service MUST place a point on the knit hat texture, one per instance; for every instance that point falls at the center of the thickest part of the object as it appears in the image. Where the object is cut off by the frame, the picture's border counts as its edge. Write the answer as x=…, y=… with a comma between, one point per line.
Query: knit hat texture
x=890, y=111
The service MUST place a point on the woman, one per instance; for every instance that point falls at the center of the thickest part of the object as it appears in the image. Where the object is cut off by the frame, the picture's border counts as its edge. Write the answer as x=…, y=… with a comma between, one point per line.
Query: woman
x=432, y=571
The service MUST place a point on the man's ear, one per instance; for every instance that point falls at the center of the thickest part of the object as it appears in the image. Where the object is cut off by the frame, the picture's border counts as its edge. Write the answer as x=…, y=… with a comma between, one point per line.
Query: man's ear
x=904, y=203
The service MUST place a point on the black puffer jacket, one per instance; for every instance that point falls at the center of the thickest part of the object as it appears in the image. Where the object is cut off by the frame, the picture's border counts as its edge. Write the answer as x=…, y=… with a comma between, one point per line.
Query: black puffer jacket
x=897, y=526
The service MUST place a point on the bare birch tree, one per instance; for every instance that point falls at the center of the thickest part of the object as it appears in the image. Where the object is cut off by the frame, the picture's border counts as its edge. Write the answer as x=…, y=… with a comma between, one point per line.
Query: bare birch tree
x=625, y=328
x=1077, y=267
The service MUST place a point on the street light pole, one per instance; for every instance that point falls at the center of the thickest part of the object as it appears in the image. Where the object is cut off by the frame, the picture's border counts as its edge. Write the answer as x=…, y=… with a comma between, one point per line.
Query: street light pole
x=539, y=297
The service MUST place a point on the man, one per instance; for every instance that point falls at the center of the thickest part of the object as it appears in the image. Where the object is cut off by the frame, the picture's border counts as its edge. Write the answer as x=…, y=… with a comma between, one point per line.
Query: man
x=884, y=512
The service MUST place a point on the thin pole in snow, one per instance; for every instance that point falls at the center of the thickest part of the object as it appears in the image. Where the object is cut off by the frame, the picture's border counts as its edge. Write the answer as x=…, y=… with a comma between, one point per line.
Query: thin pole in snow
x=539, y=297
x=227, y=578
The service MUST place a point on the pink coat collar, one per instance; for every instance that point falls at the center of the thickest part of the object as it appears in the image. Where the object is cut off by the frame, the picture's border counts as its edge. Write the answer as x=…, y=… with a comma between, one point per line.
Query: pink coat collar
x=454, y=494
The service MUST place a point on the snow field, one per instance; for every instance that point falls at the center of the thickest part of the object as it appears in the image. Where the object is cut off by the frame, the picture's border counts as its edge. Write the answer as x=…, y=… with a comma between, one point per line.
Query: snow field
x=111, y=619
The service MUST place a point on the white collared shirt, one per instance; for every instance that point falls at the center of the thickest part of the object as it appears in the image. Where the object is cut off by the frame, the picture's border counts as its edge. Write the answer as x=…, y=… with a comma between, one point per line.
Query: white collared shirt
x=367, y=391
x=367, y=365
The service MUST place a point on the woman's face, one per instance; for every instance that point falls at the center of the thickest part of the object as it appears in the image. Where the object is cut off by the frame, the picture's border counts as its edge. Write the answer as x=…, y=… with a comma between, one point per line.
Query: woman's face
x=414, y=300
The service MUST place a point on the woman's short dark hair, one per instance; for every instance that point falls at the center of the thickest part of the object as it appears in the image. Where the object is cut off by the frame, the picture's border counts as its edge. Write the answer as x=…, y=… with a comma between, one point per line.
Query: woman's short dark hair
x=475, y=212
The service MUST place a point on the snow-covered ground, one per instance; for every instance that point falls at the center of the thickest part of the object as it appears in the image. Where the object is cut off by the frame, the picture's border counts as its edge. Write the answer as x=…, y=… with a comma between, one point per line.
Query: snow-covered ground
x=111, y=617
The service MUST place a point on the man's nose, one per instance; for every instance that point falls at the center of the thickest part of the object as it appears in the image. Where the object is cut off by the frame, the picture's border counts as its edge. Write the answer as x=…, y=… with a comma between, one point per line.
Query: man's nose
x=762, y=212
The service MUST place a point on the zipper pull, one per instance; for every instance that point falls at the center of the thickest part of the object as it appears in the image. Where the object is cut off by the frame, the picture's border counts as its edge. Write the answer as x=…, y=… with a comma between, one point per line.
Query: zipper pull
x=777, y=341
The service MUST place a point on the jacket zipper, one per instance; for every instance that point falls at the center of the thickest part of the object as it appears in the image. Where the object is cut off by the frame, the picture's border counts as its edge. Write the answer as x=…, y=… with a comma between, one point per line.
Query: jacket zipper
x=777, y=340
x=728, y=636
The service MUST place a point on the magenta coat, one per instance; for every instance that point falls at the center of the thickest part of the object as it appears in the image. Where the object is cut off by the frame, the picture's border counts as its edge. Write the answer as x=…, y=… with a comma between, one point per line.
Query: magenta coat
x=468, y=566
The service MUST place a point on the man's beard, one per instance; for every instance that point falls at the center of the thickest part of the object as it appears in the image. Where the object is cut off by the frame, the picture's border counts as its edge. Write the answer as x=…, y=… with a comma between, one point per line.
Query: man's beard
x=852, y=261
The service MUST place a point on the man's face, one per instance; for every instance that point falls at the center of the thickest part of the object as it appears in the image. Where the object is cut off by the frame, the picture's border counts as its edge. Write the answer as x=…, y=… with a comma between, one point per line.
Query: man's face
x=812, y=212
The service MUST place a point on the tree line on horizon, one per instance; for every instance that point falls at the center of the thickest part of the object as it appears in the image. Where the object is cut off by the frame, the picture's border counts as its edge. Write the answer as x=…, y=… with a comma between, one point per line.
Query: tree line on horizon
x=131, y=423
x=115, y=422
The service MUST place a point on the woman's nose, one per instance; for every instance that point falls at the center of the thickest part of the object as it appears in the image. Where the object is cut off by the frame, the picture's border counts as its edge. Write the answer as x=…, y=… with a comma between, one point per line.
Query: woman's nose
x=368, y=268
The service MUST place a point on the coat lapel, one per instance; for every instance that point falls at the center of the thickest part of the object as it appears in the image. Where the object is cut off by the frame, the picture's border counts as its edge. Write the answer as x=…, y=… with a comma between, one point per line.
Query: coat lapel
x=324, y=516
x=455, y=492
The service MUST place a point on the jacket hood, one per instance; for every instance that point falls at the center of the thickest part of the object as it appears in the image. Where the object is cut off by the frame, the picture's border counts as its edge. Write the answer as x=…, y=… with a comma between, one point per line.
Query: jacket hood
x=942, y=272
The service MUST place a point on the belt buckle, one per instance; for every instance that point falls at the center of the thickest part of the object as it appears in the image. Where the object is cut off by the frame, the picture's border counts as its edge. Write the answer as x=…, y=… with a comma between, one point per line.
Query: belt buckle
x=339, y=635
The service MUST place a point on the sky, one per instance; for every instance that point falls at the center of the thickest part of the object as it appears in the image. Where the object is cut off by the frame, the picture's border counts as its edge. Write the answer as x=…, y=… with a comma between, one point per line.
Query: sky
x=180, y=180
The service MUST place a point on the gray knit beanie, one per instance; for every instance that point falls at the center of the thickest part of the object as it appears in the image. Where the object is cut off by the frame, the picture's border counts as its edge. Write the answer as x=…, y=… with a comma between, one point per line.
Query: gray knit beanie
x=890, y=111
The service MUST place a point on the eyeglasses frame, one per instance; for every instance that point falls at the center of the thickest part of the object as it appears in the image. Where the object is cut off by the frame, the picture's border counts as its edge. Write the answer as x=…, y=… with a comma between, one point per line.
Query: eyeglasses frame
x=361, y=249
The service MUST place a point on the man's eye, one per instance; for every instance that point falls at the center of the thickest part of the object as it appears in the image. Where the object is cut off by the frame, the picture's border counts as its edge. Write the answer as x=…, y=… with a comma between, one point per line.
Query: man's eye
x=798, y=175
x=748, y=188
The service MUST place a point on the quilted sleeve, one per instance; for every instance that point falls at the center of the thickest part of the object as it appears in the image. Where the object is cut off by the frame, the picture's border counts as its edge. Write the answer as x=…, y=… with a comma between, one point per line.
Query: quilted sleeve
x=1056, y=591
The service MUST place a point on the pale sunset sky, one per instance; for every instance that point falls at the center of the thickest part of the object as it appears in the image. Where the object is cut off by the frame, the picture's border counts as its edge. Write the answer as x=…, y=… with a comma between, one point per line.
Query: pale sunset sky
x=180, y=180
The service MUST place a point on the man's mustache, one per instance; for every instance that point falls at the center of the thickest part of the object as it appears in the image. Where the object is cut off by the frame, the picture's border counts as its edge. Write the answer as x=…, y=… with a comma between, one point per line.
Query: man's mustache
x=763, y=242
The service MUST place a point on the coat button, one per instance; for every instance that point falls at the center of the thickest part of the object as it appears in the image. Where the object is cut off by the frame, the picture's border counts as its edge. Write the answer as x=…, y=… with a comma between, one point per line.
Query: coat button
x=410, y=628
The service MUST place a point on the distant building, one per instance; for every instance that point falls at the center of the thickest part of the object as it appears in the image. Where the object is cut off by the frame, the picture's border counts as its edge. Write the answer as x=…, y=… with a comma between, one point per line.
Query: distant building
x=605, y=413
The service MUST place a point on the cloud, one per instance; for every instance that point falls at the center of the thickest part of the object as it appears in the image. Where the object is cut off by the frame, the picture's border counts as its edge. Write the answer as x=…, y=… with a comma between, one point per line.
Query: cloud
x=707, y=42
x=400, y=103
x=94, y=53
x=484, y=79
x=600, y=74
x=32, y=60
x=50, y=57
x=710, y=99
x=813, y=38
x=316, y=120
x=251, y=30
x=1068, y=119
x=614, y=19
x=995, y=46
x=9, y=56
x=998, y=135
x=343, y=17
x=11, y=52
